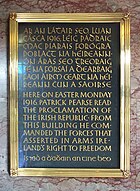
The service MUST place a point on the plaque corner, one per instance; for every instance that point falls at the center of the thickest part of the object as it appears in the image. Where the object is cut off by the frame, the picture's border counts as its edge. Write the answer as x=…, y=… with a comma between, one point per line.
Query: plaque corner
x=14, y=172
x=127, y=15
x=13, y=16
x=126, y=173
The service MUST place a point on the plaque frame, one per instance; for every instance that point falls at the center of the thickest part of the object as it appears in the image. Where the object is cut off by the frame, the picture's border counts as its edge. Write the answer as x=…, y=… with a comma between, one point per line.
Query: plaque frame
x=123, y=19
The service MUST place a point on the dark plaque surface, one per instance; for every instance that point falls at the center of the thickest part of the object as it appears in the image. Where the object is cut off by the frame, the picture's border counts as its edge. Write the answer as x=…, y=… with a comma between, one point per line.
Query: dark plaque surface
x=69, y=95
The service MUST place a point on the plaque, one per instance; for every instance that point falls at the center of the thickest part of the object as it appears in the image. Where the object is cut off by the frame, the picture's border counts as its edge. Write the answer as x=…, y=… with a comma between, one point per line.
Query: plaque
x=69, y=94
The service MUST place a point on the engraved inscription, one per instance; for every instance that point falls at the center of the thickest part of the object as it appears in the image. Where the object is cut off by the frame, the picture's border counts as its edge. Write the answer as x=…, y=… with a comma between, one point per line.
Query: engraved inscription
x=68, y=102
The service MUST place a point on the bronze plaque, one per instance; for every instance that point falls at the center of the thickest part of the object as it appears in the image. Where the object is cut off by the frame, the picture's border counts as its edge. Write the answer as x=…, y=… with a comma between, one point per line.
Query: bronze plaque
x=69, y=94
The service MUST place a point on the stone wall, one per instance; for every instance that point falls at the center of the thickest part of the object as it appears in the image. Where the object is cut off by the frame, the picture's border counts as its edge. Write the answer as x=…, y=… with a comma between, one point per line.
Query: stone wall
x=71, y=184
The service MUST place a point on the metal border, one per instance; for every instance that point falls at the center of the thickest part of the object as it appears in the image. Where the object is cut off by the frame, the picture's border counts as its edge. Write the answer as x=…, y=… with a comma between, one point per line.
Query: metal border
x=124, y=21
